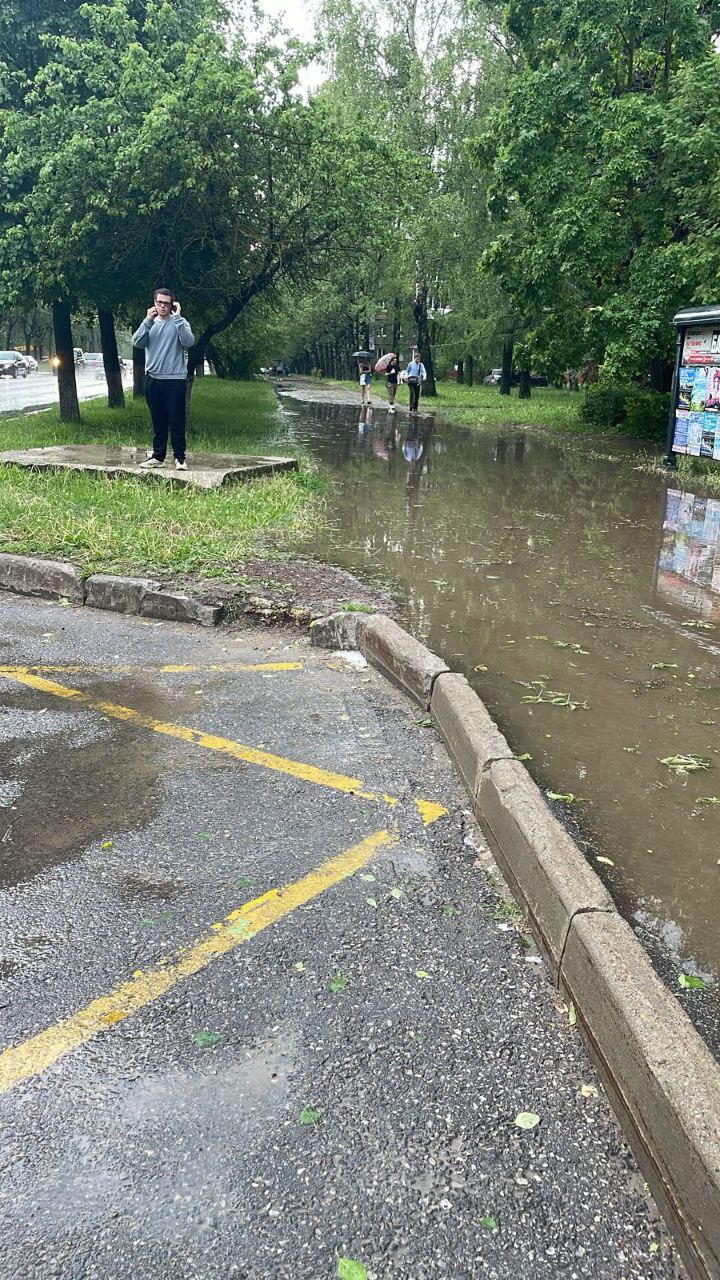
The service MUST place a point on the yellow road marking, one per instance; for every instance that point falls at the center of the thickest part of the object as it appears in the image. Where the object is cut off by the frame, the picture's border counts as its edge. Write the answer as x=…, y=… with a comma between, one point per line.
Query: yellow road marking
x=20, y=1062
x=429, y=811
x=168, y=668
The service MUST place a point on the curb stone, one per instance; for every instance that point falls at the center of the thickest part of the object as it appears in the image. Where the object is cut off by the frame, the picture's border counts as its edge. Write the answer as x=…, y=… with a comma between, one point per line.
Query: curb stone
x=121, y=595
x=545, y=869
x=399, y=656
x=667, y=1090
x=174, y=606
x=47, y=578
x=661, y=1079
x=337, y=631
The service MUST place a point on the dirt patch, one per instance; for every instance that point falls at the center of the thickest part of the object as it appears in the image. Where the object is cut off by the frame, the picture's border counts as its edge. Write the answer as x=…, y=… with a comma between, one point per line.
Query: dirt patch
x=285, y=590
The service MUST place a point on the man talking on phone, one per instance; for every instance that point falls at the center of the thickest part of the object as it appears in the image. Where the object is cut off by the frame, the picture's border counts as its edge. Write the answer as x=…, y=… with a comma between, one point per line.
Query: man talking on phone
x=166, y=336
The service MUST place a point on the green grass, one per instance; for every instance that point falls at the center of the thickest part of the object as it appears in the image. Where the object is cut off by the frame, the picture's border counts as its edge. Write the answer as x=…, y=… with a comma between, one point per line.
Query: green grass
x=126, y=525
x=479, y=406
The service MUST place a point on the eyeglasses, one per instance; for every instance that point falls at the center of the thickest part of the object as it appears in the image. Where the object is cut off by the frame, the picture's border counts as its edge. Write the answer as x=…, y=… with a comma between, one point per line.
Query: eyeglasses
x=163, y=302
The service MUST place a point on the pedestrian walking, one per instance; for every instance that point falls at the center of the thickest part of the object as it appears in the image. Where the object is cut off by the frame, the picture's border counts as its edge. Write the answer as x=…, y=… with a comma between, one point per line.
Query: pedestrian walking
x=365, y=381
x=415, y=375
x=165, y=335
x=391, y=383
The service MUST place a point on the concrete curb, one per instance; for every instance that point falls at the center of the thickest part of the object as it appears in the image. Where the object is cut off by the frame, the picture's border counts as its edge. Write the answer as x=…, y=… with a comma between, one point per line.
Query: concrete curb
x=662, y=1080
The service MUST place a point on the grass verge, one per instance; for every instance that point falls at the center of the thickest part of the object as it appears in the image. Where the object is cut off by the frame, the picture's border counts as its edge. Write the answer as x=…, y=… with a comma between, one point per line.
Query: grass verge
x=127, y=525
x=480, y=406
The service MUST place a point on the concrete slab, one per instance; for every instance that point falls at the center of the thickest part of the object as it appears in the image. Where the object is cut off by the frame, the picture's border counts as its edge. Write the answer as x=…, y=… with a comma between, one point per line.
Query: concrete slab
x=205, y=470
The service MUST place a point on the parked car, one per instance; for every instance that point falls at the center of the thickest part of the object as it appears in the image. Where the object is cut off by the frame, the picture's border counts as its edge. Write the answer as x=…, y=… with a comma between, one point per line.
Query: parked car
x=494, y=376
x=78, y=355
x=12, y=364
x=93, y=361
x=29, y=360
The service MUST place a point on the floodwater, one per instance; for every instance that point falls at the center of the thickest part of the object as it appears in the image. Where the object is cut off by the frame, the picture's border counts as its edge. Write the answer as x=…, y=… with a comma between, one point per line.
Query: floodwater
x=579, y=595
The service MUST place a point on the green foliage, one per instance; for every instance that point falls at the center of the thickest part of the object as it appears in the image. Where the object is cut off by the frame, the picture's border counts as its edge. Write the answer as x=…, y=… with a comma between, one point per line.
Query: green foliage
x=630, y=410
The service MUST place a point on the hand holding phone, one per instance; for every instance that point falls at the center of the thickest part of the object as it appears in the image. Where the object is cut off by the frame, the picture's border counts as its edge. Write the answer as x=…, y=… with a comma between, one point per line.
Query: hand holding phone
x=176, y=308
x=151, y=313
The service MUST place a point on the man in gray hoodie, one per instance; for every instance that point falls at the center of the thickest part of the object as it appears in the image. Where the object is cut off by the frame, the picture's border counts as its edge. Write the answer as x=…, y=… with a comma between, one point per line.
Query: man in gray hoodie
x=166, y=336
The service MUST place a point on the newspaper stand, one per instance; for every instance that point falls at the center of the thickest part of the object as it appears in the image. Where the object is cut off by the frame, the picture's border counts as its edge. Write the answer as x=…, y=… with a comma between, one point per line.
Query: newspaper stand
x=694, y=419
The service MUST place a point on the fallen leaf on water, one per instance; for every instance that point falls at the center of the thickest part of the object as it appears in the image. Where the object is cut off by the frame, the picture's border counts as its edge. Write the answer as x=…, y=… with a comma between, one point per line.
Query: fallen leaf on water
x=663, y=666
x=349, y=1269
x=480, y=667
x=309, y=1115
x=570, y=798
x=206, y=1039
x=690, y=982
x=685, y=763
x=708, y=800
x=527, y=1120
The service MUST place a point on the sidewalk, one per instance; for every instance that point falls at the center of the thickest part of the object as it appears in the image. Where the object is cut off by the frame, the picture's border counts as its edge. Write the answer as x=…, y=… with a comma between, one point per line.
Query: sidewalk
x=210, y=1078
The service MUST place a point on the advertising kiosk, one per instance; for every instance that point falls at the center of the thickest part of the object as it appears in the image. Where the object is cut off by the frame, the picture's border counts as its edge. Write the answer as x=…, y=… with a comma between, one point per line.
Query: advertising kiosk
x=694, y=421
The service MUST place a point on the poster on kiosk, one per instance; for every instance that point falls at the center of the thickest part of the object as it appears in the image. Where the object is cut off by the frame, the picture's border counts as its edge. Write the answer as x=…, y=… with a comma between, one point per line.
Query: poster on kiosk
x=696, y=408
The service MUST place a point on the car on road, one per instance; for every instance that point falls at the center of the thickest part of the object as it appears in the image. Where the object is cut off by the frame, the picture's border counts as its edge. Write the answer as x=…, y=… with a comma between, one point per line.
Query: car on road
x=94, y=361
x=494, y=376
x=29, y=360
x=13, y=365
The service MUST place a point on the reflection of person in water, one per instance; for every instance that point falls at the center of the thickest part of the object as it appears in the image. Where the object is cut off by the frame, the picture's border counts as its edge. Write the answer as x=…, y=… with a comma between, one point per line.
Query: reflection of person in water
x=413, y=448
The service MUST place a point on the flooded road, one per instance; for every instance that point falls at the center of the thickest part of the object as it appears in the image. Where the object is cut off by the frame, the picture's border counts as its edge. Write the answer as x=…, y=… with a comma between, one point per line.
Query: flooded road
x=578, y=594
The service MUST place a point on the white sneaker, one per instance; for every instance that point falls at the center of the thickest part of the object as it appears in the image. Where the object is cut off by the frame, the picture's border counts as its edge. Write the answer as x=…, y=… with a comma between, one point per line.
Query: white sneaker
x=151, y=463
x=180, y=466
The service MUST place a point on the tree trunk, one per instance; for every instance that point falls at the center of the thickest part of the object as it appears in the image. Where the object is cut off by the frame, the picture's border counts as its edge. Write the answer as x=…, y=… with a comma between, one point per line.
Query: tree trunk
x=470, y=369
x=506, y=375
x=67, y=387
x=111, y=360
x=419, y=307
x=395, y=340
x=525, y=388
x=138, y=373
x=460, y=373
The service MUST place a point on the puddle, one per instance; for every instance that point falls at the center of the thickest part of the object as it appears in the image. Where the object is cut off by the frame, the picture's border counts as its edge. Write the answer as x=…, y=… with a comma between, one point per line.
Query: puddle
x=580, y=597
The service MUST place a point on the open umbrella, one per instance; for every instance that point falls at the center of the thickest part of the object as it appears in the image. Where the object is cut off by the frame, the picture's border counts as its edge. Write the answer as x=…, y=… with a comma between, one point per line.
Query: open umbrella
x=384, y=361
x=360, y=355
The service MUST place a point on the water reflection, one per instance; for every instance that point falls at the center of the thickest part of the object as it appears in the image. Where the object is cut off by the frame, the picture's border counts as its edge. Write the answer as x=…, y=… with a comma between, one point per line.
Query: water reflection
x=536, y=566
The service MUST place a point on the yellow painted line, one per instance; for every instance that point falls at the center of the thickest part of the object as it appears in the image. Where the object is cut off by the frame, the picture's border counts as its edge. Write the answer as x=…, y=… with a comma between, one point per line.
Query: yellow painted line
x=169, y=668
x=251, y=755
x=31, y=1057
x=429, y=810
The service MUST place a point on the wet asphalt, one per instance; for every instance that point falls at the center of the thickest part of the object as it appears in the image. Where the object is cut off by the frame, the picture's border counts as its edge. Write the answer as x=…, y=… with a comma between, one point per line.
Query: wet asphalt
x=309, y=1095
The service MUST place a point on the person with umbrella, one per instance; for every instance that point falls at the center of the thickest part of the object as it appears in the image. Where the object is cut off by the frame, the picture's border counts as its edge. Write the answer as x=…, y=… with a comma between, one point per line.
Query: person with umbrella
x=365, y=368
x=388, y=364
x=415, y=375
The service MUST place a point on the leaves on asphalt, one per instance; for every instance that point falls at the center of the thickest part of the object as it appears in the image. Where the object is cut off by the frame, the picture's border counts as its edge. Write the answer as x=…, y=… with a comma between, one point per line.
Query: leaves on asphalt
x=589, y=1091
x=349, y=1269
x=690, y=982
x=527, y=1120
x=372, y=902
x=449, y=911
x=339, y=982
x=397, y=894
x=421, y=973
x=206, y=1039
x=299, y=966
x=245, y=882
x=106, y=844
x=309, y=1115
x=572, y=1016
x=367, y=876
x=488, y=1222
